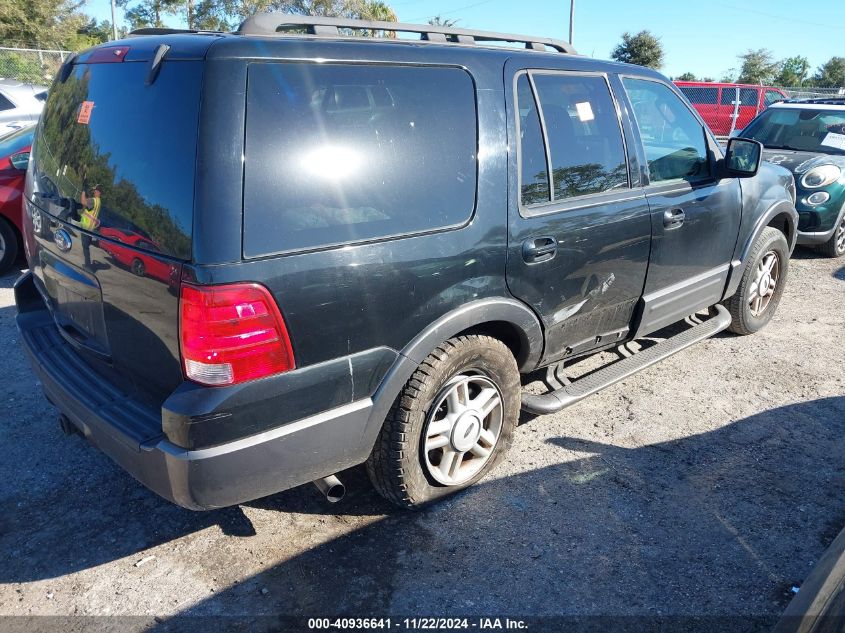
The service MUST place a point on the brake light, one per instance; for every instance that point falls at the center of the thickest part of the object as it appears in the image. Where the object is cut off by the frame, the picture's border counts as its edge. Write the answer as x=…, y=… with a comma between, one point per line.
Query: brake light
x=108, y=54
x=231, y=334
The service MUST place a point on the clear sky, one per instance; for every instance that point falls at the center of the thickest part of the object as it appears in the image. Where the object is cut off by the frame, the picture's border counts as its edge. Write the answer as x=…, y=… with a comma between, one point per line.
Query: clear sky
x=699, y=37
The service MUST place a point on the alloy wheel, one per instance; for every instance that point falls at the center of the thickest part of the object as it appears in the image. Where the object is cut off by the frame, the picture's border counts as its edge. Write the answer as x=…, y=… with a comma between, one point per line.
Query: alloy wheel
x=765, y=283
x=463, y=427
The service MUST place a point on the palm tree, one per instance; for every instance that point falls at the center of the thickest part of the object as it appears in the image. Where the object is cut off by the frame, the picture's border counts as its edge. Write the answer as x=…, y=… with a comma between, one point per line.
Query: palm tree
x=377, y=11
x=439, y=21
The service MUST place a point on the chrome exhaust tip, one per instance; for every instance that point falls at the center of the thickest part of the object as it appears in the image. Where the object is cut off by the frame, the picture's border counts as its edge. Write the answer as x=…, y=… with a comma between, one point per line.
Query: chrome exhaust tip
x=331, y=487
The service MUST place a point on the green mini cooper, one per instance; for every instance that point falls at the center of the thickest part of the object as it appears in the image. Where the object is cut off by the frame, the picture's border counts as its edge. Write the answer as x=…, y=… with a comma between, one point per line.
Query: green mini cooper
x=808, y=138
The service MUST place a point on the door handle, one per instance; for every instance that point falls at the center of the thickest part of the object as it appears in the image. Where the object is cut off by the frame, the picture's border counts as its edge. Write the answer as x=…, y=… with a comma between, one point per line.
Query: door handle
x=539, y=249
x=673, y=218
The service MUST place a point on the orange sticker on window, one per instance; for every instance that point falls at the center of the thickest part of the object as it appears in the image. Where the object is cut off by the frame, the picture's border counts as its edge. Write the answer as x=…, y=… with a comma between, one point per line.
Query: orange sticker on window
x=85, y=110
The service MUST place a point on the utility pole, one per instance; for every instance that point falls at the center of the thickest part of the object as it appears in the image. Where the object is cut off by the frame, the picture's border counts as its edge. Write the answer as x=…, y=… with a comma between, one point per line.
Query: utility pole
x=571, y=20
x=113, y=22
x=189, y=10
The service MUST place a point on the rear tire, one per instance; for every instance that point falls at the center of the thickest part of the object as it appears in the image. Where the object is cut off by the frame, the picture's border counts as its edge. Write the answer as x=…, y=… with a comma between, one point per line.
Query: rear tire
x=768, y=264
x=452, y=423
x=8, y=246
x=835, y=246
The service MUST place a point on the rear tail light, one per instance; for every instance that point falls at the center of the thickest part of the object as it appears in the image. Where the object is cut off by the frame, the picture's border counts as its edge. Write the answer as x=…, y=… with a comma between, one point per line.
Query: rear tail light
x=231, y=334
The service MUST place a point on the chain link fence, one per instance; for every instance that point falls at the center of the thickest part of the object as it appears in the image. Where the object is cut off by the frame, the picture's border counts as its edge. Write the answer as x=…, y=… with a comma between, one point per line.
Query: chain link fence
x=36, y=66
x=728, y=108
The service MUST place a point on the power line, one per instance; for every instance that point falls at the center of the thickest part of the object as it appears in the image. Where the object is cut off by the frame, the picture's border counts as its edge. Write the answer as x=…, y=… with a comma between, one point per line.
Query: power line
x=469, y=6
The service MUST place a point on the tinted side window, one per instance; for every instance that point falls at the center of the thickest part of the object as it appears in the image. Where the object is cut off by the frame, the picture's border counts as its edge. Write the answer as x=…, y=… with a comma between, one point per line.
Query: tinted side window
x=344, y=153
x=673, y=139
x=5, y=104
x=772, y=96
x=585, y=140
x=700, y=95
x=747, y=96
x=534, y=170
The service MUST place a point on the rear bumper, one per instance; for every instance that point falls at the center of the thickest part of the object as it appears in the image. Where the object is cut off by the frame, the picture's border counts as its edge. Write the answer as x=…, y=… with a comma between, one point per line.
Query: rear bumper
x=226, y=474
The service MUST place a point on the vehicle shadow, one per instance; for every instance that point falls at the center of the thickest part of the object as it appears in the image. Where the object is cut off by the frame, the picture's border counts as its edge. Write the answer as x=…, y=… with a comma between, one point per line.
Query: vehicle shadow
x=721, y=523
x=807, y=252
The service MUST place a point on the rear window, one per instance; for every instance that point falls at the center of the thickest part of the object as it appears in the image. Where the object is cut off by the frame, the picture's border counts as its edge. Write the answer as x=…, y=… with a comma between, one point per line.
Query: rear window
x=339, y=153
x=108, y=136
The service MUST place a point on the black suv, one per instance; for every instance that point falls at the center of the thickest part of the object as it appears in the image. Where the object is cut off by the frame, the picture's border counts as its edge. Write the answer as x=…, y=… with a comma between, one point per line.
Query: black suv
x=262, y=257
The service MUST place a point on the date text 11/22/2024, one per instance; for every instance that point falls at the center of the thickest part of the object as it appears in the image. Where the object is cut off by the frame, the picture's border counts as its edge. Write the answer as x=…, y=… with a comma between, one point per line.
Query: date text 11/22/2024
x=435, y=624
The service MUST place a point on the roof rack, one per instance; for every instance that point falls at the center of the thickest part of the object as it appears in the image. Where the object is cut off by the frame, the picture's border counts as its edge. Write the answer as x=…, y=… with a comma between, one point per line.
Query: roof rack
x=285, y=24
x=832, y=100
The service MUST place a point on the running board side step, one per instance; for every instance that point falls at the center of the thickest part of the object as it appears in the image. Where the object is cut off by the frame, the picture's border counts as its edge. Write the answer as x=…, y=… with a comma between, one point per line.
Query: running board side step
x=620, y=370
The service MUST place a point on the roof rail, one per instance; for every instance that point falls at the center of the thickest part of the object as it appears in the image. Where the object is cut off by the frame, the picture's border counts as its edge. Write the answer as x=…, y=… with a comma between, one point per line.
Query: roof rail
x=831, y=100
x=284, y=24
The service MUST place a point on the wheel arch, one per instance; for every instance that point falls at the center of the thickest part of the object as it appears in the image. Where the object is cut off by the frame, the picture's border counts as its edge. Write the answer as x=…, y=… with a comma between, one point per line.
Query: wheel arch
x=506, y=319
x=781, y=216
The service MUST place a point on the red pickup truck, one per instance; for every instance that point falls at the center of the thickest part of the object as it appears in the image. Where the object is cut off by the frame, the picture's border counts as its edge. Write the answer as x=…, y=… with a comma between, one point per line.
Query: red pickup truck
x=728, y=107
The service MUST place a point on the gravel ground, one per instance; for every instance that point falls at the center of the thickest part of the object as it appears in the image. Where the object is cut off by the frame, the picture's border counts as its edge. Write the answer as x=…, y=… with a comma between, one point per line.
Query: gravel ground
x=705, y=486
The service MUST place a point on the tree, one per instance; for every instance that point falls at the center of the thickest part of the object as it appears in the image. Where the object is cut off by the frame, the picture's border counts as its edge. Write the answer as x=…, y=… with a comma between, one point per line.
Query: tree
x=439, y=21
x=93, y=33
x=643, y=49
x=793, y=71
x=831, y=74
x=728, y=76
x=686, y=77
x=709, y=80
x=224, y=15
x=41, y=23
x=758, y=67
x=149, y=13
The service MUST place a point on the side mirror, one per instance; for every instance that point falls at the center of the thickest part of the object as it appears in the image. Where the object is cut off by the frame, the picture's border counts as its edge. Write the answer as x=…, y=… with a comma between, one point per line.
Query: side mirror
x=743, y=157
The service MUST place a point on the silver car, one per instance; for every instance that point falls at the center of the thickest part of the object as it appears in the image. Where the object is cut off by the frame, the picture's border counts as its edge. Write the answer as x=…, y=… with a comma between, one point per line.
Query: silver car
x=20, y=104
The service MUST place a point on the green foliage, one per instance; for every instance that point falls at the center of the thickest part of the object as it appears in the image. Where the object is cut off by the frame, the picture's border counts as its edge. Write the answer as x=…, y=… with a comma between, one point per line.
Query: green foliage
x=686, y=77
x=225, y=15
x=51, y=24
x=149, y=13
x=793, y=71
x=831, y=74
x=758, y=67
x=643, y=49
x=26, y=69
x=439, y=21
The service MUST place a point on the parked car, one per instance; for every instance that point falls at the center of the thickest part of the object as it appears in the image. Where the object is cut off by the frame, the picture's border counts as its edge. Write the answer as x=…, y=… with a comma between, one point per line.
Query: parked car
x=20, y=104
x=728, y=107
x=808, y=138
x=14, y=157
x=365, y=282
x=135, y=252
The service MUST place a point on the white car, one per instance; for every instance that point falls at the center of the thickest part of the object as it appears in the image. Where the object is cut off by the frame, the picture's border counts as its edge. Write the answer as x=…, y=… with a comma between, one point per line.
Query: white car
x=20, y=104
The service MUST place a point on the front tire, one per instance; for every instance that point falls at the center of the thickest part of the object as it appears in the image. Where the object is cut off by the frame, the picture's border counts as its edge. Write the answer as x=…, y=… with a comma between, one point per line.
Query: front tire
x=762, y=284
x=138, y=268
x=8, y=246
x=452, y=423
x=835, y=246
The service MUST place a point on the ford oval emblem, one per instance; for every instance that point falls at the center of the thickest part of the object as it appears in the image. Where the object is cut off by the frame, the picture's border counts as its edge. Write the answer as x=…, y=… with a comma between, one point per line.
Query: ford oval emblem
x=62, y=240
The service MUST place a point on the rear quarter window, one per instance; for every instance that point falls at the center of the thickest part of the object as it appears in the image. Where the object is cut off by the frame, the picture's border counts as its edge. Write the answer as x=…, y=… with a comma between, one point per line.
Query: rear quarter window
x=341, y=153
